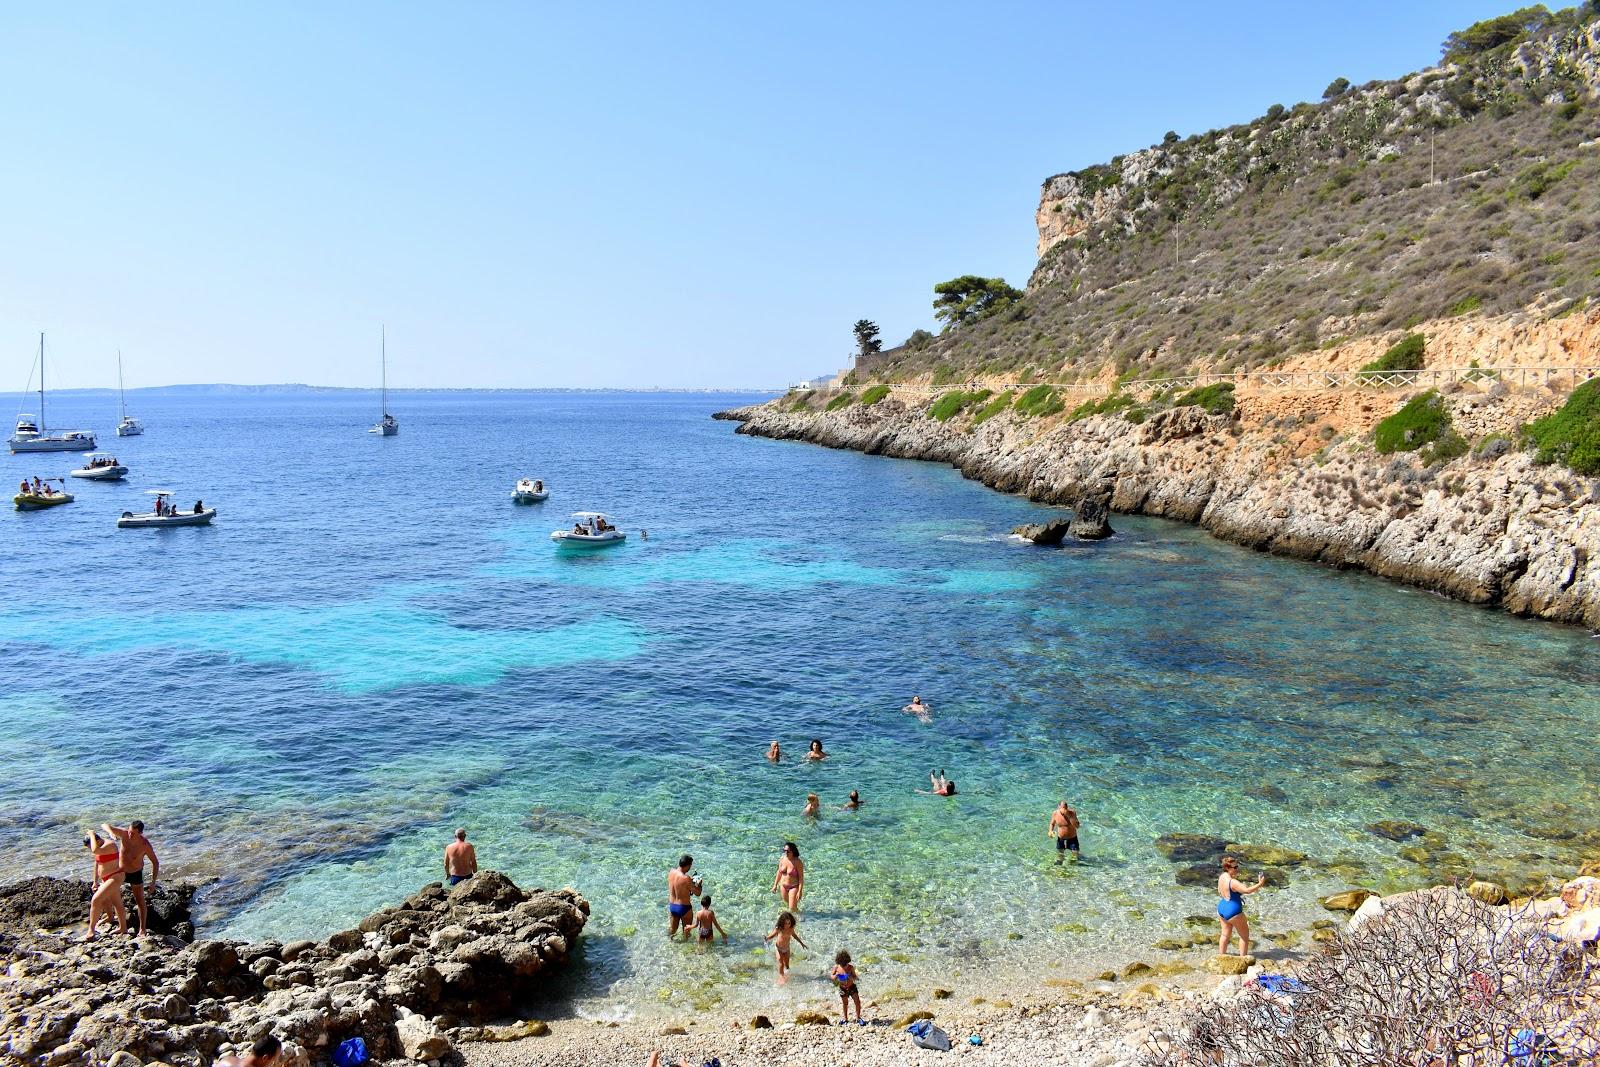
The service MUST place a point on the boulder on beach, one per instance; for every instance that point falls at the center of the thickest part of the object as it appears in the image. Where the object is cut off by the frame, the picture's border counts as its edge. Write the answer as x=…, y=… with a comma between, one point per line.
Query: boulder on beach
x=399, y=980
x=1349, y=900
x=1043, y=533
x=1488, y=892
x=1230, y=964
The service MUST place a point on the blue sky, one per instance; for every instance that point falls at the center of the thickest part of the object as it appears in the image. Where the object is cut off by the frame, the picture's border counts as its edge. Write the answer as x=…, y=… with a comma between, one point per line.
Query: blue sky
x=581, y=195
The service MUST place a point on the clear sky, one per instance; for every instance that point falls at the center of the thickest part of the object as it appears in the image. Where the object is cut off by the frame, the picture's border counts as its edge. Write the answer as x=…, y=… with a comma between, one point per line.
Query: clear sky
x=623, y=194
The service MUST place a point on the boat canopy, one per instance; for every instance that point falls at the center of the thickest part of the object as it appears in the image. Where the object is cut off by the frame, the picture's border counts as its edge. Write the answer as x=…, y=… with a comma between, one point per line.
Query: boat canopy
x=591, y=515
x=159, y=492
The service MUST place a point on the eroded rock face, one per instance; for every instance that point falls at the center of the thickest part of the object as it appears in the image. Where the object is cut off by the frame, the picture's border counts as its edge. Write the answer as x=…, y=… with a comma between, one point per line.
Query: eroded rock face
x=54, y=903
x=441, y=958
x=1497, y=530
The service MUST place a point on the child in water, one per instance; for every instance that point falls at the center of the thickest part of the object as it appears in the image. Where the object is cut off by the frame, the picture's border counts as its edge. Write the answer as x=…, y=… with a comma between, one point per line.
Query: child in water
x=706, y=926
x=844, y=972
x=813, y=806
x=782, y=933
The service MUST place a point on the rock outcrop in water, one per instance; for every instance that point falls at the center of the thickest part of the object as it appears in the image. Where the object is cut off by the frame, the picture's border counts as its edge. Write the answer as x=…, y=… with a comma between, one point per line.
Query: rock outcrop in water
x=52, y=903
x=1295, y=475
x=403, y=981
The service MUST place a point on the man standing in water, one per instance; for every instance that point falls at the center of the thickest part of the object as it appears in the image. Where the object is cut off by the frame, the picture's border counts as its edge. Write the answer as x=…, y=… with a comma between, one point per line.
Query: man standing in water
x=1064, y=828
x=681, y=888
x=135, y=850
x=460, y=859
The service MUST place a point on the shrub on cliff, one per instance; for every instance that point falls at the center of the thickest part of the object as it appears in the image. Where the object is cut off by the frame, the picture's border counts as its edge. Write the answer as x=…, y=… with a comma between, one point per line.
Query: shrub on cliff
x=993, y=408
x=843, y=400
x=873, y=394
x=1106, y=406
x=1404, y=354
x=955, y=402
x=1422, y=421
x=1492, y=33
x=1215, y=399
x=1572, y=434
x=919, y=339
x=1039, y=402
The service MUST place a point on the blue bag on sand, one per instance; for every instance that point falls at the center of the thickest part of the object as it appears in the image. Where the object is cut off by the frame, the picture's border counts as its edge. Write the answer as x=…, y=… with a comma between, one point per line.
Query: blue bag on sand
x=926, y=1035
x=351, y=1052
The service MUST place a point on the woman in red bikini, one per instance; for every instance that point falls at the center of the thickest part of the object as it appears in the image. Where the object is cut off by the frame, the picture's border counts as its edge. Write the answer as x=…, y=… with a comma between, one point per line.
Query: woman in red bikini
x=107, y=899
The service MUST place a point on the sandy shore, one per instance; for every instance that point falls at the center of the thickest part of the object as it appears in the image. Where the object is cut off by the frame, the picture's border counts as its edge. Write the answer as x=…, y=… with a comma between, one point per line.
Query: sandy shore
x=1053, y=1028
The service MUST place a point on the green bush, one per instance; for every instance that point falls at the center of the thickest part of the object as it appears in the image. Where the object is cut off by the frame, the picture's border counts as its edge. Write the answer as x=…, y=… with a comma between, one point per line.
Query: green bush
x=873, y=394
x=1039, y=402
x=841, y=401
x=948, y=405
x=1216, y=399
x=1571, y=435
x=1464, y=305
x=1404, y=354
x=1422, y=421
x=1448, y=447
x=919, y=339
x=1108, y=405
x=993, y=408
x=944, y=374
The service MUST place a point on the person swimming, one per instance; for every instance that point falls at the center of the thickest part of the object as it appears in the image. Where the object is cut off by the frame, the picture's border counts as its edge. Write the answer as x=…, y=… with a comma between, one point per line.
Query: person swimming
x=816, y=754
x=1230, y=906
x=813, y=807
x=774, y=753
x=854, y=802
x=919, y=709
x=942, y=786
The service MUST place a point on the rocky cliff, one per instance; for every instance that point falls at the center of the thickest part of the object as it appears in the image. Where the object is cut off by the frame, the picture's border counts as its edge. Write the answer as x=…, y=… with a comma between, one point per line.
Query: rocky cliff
x=1293, y=474
x=407, y=981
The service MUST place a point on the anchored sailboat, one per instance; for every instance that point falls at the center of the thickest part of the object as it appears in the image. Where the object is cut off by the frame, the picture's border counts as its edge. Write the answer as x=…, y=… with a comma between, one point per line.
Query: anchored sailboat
x=387, y=426
x=34, y=436
x=128, y=426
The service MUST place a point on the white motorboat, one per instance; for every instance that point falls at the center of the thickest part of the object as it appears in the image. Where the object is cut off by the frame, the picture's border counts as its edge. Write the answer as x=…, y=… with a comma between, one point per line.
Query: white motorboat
x=127, y=425
x=32, y=436
x=102, y=467
x=166, y=514
x=387, y=426
x=592, y=530
x=530, y=491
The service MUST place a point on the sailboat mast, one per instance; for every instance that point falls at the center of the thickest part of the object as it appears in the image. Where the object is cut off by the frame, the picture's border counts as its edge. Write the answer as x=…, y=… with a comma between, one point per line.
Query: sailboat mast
x=383, y=359
x=41, y=382
x=122, y=396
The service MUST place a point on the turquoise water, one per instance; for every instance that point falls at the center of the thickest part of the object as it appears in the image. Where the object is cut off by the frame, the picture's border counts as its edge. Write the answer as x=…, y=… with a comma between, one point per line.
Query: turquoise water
x=373, y=645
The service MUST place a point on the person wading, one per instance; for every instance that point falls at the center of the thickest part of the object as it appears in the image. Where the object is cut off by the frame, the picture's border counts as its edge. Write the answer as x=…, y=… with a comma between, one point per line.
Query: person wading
x=460, y=859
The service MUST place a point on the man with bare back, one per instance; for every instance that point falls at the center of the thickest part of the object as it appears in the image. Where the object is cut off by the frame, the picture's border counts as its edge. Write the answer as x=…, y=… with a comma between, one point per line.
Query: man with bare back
x=135, y=850
x=460, y=859
x=681, y=888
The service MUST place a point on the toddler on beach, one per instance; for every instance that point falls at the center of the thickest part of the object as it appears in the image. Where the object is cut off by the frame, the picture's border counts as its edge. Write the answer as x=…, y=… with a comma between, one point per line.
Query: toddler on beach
x=782, y=933
x=844, y=972
x=706, y=926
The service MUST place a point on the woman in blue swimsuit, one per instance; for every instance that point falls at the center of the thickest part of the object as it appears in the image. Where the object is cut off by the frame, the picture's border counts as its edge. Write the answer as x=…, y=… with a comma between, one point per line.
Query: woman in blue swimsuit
x=1230, y=906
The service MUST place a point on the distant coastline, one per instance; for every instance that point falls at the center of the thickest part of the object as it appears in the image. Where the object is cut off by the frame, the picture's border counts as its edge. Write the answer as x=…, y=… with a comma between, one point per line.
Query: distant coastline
x=224, y=389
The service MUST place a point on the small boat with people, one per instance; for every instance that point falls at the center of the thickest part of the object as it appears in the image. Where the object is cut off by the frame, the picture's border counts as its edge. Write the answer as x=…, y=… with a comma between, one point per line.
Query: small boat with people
x=593, y=529
x=40, y=494
x=102, y=467
x=167, y=513
x=530, y=491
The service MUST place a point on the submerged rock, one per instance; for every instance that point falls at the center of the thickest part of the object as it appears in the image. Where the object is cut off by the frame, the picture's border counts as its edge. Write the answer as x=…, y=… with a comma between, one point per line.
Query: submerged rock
x=1397, y=829
x=1181, y=848
x=1349, y=900
x=1267, y=855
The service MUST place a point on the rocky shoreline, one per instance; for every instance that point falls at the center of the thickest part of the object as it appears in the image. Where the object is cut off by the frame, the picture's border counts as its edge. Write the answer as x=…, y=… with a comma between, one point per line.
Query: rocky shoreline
x=1281, y=474
x=409, y=981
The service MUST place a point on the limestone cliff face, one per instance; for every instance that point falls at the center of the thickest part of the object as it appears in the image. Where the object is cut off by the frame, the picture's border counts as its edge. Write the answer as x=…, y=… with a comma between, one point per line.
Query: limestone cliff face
x=1361, y=125
x=1495, y=531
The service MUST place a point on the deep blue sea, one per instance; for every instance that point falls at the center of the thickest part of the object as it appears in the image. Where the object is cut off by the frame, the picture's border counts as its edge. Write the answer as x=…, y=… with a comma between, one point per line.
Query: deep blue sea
x=372, y=645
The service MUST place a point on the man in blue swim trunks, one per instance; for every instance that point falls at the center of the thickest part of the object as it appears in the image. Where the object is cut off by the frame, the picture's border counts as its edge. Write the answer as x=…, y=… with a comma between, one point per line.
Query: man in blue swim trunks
x=681, y=888
x=460, y=859
x=1064, y=828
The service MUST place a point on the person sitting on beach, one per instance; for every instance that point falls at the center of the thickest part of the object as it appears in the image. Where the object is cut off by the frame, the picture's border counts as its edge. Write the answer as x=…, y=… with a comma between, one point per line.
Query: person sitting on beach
x=1064, y=828
x=460, y=859
x=816, y=754
x=844, y=972
x=681, y=889
x=942, y=786
x=919, y=709
x=1230, y=906
x=263, y=1053
x=783, y=932
x=854, y=802
x=774, y=753
x=706, y=925
x=790, y=881
x=107, y=898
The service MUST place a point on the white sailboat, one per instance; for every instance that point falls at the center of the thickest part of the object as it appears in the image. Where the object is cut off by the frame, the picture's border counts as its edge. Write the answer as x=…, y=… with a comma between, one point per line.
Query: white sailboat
x=128, y=426
x=33, y=436
x=386, y=426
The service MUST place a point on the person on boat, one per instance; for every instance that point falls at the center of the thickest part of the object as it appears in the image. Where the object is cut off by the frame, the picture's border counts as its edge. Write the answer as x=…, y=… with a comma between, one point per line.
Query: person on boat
x=790, y=881
x=942, y=786
x=538, y=486
x=1230, y=906
x=107, y=898
x=23, y=491
x=199, y=506
x=919, y=709
x=816, y=754
x=774, y=753
x=460, y=859
x=136, y=849
x=580, y=529
x=39, y=488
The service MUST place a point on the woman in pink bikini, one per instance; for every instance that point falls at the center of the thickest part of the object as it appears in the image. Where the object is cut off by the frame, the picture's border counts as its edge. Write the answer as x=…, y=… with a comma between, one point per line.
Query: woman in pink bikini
x=790, y=881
